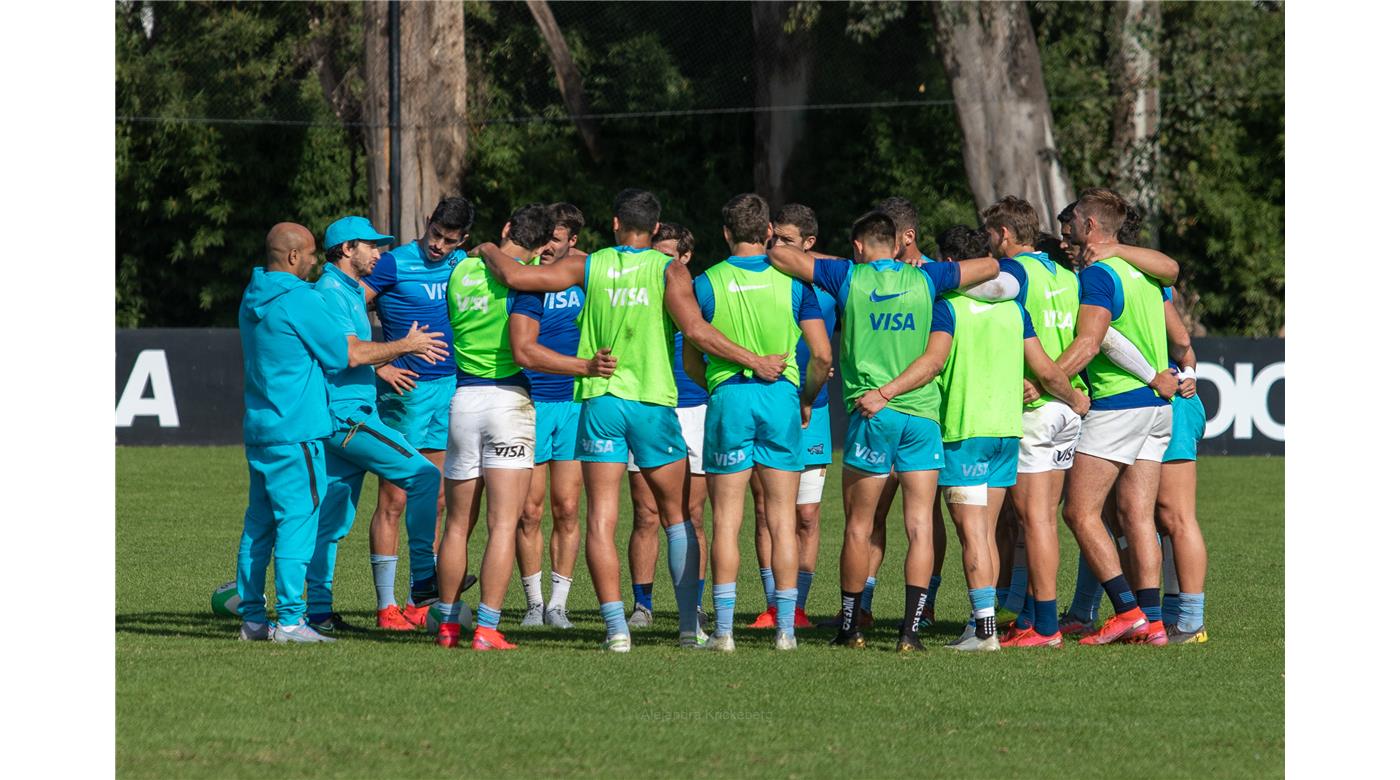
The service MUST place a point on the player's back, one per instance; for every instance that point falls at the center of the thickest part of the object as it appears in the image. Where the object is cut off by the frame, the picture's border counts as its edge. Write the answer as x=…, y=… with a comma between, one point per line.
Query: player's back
x=887, y=314
x=624, y=309
x=981, y=379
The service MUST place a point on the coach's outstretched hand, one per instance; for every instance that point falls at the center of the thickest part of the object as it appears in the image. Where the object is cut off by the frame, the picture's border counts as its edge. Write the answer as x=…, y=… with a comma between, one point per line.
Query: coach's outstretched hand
x=603, y=363
x=770, y=367
x=425, y=344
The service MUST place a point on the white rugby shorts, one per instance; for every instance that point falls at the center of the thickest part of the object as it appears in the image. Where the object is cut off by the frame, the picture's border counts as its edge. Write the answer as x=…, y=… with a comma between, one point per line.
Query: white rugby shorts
x=1127, y=435
x=1049, y=435
x=489, y=426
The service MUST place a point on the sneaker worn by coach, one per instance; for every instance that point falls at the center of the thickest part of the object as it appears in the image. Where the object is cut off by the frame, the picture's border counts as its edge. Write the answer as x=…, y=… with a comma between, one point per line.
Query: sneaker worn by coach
x=558, y=617
x=641, y=617
x=300, y=633
x=254, y=632
x=391, y=617
x=328, y=624
x=1118, y=628
x=534, y=616
x=1176, y=636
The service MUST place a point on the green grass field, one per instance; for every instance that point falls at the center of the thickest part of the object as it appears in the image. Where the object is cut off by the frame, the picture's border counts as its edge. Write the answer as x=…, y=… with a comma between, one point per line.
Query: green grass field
x=193, y=701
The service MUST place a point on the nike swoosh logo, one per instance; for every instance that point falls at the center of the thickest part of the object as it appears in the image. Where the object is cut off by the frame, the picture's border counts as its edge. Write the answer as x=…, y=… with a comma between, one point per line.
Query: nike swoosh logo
x=978, y=308
x=614, y=273
x=1052, y=293
x=736, y=287
x=1135, y=274
x=877, y=298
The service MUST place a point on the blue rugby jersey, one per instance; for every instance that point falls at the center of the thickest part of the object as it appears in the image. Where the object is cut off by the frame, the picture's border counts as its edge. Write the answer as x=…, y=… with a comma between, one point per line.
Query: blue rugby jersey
x=410, y=289
x=559, y=332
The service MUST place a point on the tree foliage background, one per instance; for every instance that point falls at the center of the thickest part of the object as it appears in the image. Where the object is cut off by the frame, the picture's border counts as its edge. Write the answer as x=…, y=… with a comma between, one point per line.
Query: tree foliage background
x=234, y=116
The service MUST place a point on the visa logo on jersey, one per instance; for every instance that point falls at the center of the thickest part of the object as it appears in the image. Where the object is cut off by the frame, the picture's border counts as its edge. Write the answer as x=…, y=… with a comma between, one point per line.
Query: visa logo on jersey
x=436, y=292
x=629, y=296
x=892, y=321
x=1058, y=320
x=472, y=302
x=569, y=299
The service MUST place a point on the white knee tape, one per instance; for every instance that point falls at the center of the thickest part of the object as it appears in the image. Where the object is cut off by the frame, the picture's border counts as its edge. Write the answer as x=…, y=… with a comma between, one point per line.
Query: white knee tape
x=809, y=489
x=975, y=495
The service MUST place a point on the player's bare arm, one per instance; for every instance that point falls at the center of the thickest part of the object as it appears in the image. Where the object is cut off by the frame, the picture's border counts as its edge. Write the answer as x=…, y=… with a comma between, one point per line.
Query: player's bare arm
x=917, y=374
x=419, y=341
x=1089, y=331
x=530, y=354
x=685, y=312
x=818, y=364
x=693, y=361
x=1052, y=378
x=559, y=275
x=1149, y=261
x=1180, y=349
x=793, y=262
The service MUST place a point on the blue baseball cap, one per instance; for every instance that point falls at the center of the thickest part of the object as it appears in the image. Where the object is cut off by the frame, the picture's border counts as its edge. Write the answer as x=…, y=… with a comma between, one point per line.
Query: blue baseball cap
x=354, y=229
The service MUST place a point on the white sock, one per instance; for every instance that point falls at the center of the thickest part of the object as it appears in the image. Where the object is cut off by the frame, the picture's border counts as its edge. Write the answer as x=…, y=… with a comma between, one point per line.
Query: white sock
x=533, y=597
x=559, y=590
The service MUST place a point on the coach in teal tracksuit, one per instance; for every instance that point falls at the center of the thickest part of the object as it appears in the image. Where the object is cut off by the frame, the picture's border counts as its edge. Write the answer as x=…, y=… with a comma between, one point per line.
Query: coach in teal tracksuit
x=289, y=341
x=362, y=441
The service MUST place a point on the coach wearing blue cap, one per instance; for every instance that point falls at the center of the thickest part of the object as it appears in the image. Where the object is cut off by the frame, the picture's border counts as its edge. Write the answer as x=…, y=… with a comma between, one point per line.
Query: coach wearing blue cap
x=361, y=441
x=290, y=340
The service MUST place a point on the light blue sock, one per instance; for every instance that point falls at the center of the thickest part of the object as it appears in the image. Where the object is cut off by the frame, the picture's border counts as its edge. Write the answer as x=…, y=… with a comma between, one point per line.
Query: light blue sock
x=450, y=612
x=385, y=569
x=867, y=596
x=683, y=559
x=982, y=599
x=767, y=576
x=1016, y=597
x=487, y=617
x=787, y=606
x=1087, y=593
x=724, y=607
x=615, y=620
x=1193, y=612
x=804, y=586
x=1171, y=608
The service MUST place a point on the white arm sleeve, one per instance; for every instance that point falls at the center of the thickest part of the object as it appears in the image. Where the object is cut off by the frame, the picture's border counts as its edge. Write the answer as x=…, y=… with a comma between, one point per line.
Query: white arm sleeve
x=1003, y=287
x=1126, y=356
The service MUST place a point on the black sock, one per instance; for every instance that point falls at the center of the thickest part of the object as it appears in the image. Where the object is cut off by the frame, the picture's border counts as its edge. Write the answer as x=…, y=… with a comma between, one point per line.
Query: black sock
x=849, y=603
x=986, y=626
x=915, y=598
x=1120, y=594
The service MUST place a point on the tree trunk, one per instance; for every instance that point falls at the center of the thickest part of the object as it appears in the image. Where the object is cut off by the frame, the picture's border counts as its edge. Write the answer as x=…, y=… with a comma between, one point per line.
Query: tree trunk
x=567, y=77
x=1136, y=110
x=993, y=64
x=782, y=73
x=432, y=109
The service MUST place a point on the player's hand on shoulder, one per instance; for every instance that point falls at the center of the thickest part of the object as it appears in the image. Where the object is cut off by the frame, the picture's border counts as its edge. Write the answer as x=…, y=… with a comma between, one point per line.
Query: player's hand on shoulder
x=1095, y=252
x=400, y=379
x=770, y=367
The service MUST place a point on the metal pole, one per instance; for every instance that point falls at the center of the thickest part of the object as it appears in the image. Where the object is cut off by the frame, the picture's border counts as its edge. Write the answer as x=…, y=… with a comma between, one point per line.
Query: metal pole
x=395, y=166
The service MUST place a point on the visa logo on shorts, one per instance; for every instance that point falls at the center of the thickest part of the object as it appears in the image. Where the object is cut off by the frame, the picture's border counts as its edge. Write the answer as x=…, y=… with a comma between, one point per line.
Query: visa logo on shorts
x=868, y=455
x=436, y=292
x=975, y=470
x=510, y=450
x=1064, y=456
x=562, y=300
x=731, y=458
x=629, y=296
x=596, y=446
x=895, y=321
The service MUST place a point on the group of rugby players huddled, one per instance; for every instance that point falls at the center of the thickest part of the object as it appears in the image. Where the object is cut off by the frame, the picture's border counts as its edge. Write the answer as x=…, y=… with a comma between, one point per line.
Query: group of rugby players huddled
x=964, y=377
